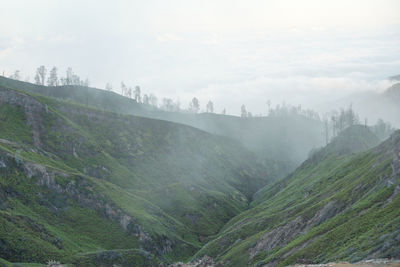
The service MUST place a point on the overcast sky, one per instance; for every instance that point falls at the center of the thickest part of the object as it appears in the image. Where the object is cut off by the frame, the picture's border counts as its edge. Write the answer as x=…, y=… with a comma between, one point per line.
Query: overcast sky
x=230, y=51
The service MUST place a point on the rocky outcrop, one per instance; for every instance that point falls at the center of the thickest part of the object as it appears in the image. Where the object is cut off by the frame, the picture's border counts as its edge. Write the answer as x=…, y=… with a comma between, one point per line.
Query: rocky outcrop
x=78, y=189
x=282, y=235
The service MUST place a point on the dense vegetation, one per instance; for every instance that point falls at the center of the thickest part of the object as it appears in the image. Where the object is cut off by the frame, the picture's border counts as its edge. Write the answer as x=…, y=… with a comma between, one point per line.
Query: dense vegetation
x=77, y=180
x=85, y=181
x=340, y=204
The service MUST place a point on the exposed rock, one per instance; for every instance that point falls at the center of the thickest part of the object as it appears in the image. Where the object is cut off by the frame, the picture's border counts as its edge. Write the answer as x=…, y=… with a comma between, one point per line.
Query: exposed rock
x=76, y=189
x=279, y=236
x=327, y=212
x=284, y=234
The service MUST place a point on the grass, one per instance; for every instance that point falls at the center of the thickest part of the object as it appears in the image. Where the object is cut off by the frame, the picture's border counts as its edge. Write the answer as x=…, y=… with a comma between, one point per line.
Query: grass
x=176, y=184
x=355, y=183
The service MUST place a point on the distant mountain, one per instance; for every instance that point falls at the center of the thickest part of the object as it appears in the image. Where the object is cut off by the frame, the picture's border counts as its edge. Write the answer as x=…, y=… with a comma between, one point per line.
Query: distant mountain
x=281, y=142
x=91, y=187
x=394, y=78
x=350, y=141
x=393, y=92
x=341, y=204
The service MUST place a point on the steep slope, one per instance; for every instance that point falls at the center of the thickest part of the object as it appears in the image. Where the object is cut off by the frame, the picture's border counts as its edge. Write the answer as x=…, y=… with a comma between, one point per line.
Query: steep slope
x=282, y=142
x=394, y=78
x=87, y=186
x=341, y=204
x=393, y=92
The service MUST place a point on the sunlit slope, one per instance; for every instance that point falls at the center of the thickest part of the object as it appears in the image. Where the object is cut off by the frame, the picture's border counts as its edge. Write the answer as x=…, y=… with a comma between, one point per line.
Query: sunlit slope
x=76, y=181
x=282, y=142
x=341, y=204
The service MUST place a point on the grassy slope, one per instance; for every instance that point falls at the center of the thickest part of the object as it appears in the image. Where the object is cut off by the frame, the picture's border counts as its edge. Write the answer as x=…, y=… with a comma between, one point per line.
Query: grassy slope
x=336, y=206
x=282, y=142
x=178, y=184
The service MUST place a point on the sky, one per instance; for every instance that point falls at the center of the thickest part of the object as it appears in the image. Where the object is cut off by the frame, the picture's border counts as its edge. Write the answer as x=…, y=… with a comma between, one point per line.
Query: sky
x=232, y=52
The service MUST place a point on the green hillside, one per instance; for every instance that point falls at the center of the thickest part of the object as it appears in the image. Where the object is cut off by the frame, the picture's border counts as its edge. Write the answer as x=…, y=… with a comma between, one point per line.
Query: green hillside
x=341, y=204
x=281, y=142
x=101, y=187
x=86, y=186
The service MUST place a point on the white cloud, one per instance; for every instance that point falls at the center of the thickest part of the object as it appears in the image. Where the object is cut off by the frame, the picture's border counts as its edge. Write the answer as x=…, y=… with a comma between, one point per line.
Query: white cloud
x=231, y=51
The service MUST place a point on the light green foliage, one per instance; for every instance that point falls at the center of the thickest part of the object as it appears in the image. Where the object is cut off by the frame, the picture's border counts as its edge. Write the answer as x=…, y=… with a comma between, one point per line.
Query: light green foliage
x=176, y=185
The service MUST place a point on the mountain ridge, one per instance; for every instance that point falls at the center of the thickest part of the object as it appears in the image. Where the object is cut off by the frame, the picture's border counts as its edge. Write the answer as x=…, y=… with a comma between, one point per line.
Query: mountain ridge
x=323, y=212
x=138, y=175
x=266, y=136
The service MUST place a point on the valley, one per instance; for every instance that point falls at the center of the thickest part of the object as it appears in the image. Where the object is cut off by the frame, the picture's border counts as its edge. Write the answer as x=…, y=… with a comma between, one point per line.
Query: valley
x=99, y=180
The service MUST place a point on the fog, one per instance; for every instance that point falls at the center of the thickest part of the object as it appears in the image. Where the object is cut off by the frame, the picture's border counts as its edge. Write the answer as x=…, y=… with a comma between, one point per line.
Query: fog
x=313, y=53
x=220, y=132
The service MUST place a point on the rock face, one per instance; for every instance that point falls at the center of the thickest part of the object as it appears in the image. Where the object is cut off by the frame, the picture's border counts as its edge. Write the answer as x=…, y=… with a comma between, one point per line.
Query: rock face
x=77, y=189
x=282, y=235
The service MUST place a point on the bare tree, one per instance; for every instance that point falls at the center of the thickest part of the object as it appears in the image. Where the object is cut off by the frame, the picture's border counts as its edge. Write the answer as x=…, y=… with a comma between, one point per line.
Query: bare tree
x=146, y=99
x=123, y=88
x=69, y=78
x=153, y=100
x=194, y=106
x=326, y=130
x=85, y=82
x=40, y=75
x=37, y=78
x=243, y=111
x=16, y=75
x=210, y=107
x=137, y=94
x=129, y=92
x=53, y=79
x=108, y=87
x=269, y=105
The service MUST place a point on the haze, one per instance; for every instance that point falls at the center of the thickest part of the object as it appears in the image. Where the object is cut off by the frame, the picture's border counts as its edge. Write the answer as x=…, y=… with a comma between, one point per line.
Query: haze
x=232, y=52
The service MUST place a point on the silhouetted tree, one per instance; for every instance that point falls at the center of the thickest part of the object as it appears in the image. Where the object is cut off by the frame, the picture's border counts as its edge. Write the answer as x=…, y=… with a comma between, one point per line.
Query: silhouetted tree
x=108, y=87
x=123, y=88
x=169, y=105
x=194, y=106
x=269, y=106
x=53, y=79
x=137, y=94
x=129, y=92
x=326, y=130
x=146, y=99
x=37, y=78
x=85, y=82
x=16, y=75
x=210, y=107
x=382, y=129
x=243, y=111
x=40, y=76
x=153, y=100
